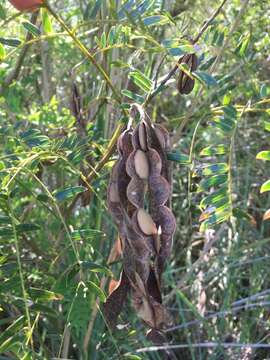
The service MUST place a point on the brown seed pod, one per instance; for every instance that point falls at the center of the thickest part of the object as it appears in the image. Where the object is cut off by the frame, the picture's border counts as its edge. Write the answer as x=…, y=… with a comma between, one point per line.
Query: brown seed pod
x=141, y=180
x=185, y=82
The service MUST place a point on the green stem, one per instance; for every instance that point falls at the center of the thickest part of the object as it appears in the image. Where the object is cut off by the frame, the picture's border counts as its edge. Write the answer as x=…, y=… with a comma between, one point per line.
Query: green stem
x=18, y=256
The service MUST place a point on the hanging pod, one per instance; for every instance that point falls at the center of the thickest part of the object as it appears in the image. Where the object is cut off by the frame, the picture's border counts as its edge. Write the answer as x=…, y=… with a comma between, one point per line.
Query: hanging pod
x=139, y=201
x=185, y=83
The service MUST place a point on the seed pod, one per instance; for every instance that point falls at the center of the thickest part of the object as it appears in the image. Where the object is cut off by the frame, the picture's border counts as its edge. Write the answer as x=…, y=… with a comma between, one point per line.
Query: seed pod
x=141, y=180
x=185, y=82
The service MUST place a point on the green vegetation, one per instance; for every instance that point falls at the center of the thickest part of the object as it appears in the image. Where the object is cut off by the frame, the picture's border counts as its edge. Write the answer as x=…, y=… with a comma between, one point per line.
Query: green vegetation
x=69, y=73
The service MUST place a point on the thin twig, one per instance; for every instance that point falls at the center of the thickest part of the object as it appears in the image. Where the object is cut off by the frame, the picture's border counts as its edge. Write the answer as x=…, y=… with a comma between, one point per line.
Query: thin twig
x=205, y=345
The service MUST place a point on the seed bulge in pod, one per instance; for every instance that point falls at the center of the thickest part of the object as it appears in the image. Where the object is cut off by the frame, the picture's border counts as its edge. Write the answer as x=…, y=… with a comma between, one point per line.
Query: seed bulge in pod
x=141, y=164
x=136, y=191
x=146, y=223
x=163, y=136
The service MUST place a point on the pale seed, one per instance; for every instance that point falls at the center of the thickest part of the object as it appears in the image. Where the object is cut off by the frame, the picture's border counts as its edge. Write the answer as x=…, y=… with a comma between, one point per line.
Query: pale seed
x=146, y=223
x=141, y=164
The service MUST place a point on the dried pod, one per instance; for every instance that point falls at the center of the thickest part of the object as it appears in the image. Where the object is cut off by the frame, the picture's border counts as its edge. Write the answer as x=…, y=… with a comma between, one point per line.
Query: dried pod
x=141, y=164
x=185, y=82
x=141, y=180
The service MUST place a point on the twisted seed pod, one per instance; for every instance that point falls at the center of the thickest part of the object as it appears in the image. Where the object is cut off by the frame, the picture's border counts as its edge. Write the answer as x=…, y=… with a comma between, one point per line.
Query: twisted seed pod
x=139, y=200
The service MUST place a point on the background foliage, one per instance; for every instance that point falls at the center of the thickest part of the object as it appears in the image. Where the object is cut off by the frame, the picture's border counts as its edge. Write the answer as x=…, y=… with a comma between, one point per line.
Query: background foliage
x=55, y=232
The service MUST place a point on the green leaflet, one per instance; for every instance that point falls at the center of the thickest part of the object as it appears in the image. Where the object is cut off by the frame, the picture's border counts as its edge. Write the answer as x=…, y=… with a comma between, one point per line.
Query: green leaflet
x=178, y=157
x=265, y=187
x=97, y=290
x=85, y=234
x=68, y=193
x=218, y=196
x=205, y=78
x=46, y=22
x=215, y=180
x=33, y=29
x=2, y=52
x=263, y=155
x=44, y=295
x=141, y=80
x=213, y=150
x=10, y=42
x=131, y=95
x=213, y=169
x=224, y=124
x=96, y=268
x=267, y=125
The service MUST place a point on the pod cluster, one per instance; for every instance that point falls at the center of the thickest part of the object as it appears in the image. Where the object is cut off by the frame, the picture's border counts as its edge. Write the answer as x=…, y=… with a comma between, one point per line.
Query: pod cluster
x=139, y=201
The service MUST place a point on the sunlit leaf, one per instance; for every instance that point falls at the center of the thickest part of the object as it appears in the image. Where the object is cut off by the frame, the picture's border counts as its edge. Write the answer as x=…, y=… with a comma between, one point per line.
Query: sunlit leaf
x=214, y=150
x=265, y=187
x=213, y=169
x=46, y=22
x=215, y=180
x=215, y=197
x=263, y=155
x=2, y=52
